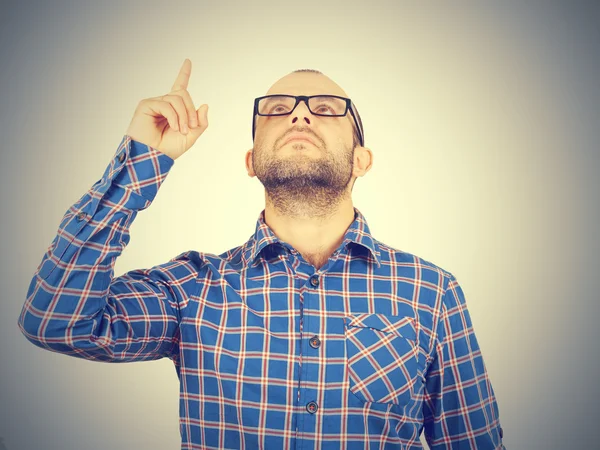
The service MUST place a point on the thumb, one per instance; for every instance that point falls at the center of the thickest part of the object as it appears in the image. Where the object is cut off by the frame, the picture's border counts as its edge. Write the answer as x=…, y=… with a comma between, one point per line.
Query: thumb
x=202, y=115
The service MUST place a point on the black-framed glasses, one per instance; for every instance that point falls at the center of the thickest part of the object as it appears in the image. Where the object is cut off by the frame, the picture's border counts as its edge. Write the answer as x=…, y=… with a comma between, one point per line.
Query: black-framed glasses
x=319, y=105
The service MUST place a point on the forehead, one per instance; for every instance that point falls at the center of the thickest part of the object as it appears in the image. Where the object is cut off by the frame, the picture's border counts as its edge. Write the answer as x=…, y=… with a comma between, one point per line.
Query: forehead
x=306, y=83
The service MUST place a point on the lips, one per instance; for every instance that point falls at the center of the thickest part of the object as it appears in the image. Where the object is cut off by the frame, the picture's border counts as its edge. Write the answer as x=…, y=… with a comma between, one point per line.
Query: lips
x=298, y=136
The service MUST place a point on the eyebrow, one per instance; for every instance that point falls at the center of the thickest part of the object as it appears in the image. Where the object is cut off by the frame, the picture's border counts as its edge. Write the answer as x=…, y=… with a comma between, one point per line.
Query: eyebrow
x=270, y=100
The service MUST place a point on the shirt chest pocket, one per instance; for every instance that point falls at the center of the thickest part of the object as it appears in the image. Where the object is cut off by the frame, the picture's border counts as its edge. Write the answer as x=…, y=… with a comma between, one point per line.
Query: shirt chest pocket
x=382, y=357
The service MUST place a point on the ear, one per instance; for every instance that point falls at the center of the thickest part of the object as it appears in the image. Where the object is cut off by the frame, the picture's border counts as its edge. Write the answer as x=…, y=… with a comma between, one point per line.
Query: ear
x=363, y=160
x=249, y=166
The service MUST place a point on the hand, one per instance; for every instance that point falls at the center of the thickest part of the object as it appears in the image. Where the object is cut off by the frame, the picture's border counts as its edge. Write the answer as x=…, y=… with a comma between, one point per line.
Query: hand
x=170, y=123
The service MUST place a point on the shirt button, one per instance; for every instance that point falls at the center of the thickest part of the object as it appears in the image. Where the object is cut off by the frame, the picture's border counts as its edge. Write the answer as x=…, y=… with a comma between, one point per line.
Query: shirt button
x=501, y=433
x=122, y=157
x=80, y=216
x=314, y=342
x=314, y=281
x=312, y=407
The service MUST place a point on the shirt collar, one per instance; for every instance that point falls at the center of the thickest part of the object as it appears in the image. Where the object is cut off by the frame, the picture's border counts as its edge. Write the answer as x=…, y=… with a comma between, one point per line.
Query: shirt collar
x=358, y=232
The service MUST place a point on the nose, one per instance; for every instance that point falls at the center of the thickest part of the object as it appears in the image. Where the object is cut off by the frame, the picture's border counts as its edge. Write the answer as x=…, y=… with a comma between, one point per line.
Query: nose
x=301, y=111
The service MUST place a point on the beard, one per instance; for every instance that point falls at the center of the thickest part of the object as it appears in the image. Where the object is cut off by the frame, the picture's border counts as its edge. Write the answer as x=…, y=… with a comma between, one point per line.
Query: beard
x=300, y=184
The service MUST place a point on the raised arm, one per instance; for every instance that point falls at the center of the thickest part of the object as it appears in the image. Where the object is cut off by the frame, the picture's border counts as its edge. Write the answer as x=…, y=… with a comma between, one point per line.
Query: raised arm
x=74, y=305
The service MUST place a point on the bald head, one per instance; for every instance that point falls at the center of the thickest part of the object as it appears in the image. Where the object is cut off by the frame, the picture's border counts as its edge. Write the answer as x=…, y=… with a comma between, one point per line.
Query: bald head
x=306, y=82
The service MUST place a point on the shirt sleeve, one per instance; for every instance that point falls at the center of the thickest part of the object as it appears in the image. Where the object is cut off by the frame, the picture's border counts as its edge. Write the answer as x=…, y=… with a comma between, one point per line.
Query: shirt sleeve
x=460, y=409
x=74, y=305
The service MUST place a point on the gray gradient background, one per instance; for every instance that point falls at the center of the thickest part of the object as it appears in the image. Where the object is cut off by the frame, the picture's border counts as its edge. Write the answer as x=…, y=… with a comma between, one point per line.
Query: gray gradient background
x=484, y=124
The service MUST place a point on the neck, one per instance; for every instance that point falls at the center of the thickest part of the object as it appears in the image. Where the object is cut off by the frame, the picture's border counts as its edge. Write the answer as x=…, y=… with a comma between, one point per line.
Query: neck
x=314, y=229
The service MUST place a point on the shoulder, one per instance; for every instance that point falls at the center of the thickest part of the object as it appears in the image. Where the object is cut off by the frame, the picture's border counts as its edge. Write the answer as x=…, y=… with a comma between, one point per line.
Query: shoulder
x=201, y=260
x=414, y=266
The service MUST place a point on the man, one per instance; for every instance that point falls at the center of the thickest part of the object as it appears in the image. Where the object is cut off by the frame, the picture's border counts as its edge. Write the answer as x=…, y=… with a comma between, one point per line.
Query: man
x=310, y=334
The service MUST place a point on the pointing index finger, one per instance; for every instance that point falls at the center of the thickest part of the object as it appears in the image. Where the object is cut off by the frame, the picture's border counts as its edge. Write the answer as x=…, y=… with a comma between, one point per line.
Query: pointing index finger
x=184, y=76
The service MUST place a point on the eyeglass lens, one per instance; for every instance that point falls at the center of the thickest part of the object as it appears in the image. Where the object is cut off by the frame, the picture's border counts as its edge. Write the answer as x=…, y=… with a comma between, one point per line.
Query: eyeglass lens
x=322, y=105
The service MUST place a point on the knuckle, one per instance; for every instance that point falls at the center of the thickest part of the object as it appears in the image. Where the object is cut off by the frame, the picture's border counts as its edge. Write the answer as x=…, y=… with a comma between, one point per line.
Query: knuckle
x=178, y=93
x=178, y=99
x=187, y=97
x=175, y=101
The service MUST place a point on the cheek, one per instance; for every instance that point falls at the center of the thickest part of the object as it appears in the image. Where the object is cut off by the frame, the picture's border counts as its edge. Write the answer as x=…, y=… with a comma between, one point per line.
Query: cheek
x=270, y=124
x=269, y=132
x=339, y=141
x=342, y=134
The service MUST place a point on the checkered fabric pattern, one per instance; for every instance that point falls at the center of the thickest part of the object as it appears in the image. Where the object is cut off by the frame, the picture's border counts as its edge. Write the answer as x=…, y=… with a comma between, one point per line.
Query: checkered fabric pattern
x=368, y=351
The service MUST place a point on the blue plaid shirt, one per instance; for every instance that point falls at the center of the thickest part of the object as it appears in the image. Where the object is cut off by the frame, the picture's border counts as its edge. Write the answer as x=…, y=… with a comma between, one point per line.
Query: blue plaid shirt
x=365, y=352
